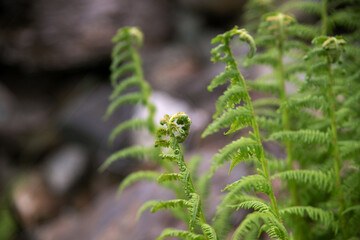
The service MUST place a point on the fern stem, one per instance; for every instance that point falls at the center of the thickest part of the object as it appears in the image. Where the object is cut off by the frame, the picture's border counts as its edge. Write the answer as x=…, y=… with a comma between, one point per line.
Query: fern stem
x=255, y=127
x=187, y=185
x=286, y=124
x=288, y=146
x=324, y=17
x=335, y=150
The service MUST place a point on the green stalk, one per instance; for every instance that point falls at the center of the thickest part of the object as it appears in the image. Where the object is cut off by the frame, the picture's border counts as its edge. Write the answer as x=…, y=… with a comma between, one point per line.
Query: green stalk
x=255, y=127
x=335, y=150
x=183, y=167
x=286, y=127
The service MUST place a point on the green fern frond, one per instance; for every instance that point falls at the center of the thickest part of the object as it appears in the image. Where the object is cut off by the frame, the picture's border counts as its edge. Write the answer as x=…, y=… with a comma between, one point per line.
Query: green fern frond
x=323, y=181
x=134, y=152
x=171, y=232
x=312, y=7
x=261, y=86
x=124, y=84
x=209, y=232
x=310, y=101
x=304, y=136
x=276, y=165
x=194, y=208
x=176, y=203
x=273, y=226
x=270, y=124
x=225, y=37
x=316, y=214
x=122, y=70
x=266, y=102
x=256, y=205
x=233, y=95
x=251, y=220
x=349, y=148
x=169, y=157
x=307, y=32
x=137, y=176
x=235, y=118
x=256, y=183
x=352, y=208
x=136, y=124
x=145, y=206
x=221, y=79
x=166, y=177
x=130, y=98
x=239, y=150
x=266, y=58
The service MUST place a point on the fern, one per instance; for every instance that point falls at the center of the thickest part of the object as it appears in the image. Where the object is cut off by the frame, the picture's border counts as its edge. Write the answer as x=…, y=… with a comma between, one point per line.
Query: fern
x=174, y=131
x=244, y=148
x=316, y=214
x=126, y=72
x=322, y=180
x=318, y=127
x=170, y=232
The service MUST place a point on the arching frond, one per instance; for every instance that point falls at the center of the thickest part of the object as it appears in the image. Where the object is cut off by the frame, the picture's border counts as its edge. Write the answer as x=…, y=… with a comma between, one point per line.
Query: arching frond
x=314, y=102
x=165, y=177
x=273, y=226
x=349, y=148
x=233, y=95
x=145, y=206
x=171, y=232
x=257, y=183
x=261, y=86
x=222, y=78
x=130, y=98
x=194, y=208
x=177, y=203
x=267, y=58
x=269, y=124
x=209, y=232
x=316, y=214
x=320, y=179
x=137, y=176
x=237, y=151
x=304, y=136
x=235, y=118
x=256, y=205
x=130, y=124
x=134, y=152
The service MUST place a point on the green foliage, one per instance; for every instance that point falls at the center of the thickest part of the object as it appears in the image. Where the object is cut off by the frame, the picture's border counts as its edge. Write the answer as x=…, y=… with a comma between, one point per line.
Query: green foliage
x=126, y=72
x=136, y=176
x=318, y=128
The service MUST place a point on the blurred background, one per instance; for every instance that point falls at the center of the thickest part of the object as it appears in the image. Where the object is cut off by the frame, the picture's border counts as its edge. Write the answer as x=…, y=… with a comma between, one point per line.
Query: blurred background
x=54, y=60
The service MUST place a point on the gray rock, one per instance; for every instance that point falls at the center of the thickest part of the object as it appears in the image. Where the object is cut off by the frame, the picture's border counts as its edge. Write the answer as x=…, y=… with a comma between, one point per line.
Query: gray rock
x=64, y=168
x=32, y=200
x=111, y=218
x=57, y=34
x=214, y=6
x=84, y=115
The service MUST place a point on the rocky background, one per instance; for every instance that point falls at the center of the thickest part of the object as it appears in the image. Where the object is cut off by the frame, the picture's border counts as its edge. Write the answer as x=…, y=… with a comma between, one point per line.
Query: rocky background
x=54, y=60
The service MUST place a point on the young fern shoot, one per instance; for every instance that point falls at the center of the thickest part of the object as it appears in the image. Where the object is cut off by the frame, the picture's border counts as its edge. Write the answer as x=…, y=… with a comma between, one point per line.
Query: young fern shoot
x=231, y=114
x=176, y=129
